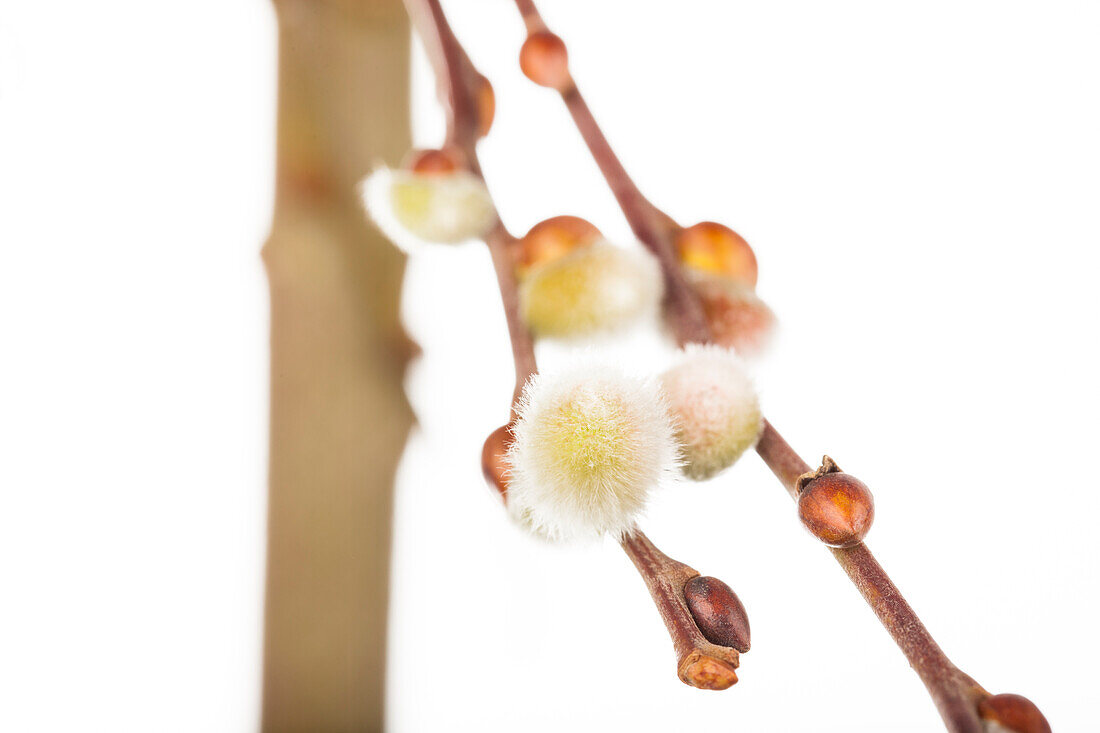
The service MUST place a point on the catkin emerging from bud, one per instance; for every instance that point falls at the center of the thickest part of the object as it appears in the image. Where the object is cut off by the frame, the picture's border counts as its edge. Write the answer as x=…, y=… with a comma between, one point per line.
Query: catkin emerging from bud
x=552, y=239
x=737, y=317
x=590, y=446
x=442, y=208
x=715, y=407
x=592, y=289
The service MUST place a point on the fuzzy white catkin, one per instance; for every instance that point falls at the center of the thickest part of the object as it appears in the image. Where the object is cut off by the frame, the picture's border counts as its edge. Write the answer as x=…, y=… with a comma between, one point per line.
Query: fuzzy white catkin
x=590, y=446
x=715, y=407
x=413, y=208
x=592, y=289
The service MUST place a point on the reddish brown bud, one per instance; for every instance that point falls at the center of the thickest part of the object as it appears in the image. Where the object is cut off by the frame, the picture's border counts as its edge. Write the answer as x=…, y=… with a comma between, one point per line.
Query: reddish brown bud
x=550, y=239
x=433, y=162
x=718, y=612
x=837, y=509
x=717, y=249
x=545, y=61
x=738, y=319
x=1014, y=712
x=486, y=106
x=493, y=463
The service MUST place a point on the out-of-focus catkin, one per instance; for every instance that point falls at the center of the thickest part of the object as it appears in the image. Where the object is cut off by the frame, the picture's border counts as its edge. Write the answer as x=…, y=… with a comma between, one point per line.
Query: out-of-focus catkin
x=715, y=409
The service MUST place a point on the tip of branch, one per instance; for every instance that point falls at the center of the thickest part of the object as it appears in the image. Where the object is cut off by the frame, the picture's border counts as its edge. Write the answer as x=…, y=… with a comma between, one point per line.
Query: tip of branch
x=706, y=672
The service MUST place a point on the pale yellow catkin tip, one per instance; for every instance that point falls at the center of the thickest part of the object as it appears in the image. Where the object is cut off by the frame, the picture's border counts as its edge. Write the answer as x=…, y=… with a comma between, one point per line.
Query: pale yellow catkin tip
x=590, y=446
x=592, y=289
x=413, y=208
x=715, y=409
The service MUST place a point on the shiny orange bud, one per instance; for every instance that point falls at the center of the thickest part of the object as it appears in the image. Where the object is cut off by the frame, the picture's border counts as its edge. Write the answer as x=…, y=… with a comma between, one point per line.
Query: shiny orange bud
x=433, y=162
x=1014, y=712
x=545, y=61
x=493, y=463
x=486, y=106
x=550, y=239
x=837, y=508
x=717, y=249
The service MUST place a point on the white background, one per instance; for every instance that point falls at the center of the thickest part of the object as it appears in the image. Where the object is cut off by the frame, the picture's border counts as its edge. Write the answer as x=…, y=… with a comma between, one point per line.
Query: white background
x=920, y=183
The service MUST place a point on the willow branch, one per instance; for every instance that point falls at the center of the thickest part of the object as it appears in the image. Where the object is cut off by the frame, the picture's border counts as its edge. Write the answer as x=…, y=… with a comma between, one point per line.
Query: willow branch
x=457, y=81
x=955, y=694
x=501, y=248
x=655, y=229
x=700, y=663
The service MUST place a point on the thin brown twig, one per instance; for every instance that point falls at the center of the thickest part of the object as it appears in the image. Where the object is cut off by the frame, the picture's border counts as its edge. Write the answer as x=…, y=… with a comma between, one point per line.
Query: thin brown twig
x=530, y=15
x=654, y=228
x=699, y=663
x=501, y=246
x=954, y=693
x=456, y=78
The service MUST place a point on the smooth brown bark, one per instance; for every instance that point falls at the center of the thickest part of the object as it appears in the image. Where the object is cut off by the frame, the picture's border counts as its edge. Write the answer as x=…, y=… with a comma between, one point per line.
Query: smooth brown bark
x=339, y=417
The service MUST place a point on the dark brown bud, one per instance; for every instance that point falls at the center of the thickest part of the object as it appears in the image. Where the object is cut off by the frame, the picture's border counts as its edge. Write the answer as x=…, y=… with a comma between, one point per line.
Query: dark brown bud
x=718, y=612
x=493, y=463
x=545, y=61
x=1014, y=712
x=837, y=509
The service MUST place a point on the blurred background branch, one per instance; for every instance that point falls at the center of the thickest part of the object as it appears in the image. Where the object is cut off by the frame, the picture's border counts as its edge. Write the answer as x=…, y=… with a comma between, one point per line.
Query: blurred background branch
x=339, y=417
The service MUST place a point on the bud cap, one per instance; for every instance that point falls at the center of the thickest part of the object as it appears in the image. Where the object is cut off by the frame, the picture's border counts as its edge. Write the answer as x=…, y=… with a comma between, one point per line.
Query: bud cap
x=1012, y=714
x=545, y=60
x=715, y=248
x=552, y=239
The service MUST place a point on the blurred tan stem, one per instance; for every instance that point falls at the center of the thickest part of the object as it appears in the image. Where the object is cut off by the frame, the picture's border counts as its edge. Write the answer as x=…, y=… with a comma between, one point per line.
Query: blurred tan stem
x=339, y=417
